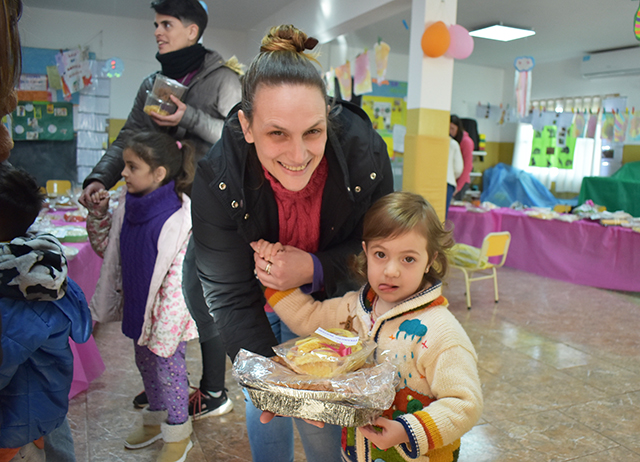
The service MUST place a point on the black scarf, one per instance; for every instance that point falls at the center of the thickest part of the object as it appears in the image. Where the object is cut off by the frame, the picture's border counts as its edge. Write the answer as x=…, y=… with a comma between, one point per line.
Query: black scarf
x=177, y=64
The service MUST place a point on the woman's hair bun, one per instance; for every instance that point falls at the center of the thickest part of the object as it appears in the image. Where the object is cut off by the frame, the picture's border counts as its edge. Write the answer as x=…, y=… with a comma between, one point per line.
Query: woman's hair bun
x=287, y=38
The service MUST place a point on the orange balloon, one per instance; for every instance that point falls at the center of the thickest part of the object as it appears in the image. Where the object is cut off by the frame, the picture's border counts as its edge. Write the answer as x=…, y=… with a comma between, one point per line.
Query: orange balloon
x=436, y=40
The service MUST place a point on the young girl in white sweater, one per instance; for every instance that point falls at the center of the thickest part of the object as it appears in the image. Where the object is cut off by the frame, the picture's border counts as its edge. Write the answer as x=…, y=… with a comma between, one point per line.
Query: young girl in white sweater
x=401, y=307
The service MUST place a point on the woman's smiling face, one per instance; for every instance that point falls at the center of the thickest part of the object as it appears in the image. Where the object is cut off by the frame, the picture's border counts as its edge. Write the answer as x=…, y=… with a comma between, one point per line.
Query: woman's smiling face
x=289, y=130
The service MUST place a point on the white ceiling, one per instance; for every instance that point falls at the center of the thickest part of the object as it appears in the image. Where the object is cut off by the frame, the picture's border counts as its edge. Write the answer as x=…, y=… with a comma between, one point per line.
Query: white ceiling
x=564, y=28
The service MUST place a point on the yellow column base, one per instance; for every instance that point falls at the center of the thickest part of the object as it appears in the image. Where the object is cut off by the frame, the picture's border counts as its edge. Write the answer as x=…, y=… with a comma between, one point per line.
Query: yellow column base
x=426, y=156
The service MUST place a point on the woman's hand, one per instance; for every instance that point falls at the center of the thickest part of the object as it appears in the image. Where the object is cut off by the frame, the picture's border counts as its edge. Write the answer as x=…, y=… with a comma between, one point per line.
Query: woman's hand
x=393, y=433
x=170, y=120
x=267, y=416
x=282, y=267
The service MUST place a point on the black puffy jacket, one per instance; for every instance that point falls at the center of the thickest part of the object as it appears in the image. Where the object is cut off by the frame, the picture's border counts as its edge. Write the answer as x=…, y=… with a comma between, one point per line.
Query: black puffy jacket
x=233, y=205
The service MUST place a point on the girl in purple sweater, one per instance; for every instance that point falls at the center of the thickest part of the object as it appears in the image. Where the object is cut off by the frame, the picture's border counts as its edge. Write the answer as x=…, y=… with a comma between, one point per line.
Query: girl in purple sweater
x=143, y=243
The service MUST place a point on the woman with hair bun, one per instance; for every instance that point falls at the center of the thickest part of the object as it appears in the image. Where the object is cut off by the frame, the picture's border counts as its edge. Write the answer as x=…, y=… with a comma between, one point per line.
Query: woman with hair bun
x=290, y=168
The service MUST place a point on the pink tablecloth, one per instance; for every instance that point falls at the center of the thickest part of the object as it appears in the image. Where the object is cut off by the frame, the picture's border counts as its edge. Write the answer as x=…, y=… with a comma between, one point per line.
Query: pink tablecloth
x=582, y=252
x=84, y=269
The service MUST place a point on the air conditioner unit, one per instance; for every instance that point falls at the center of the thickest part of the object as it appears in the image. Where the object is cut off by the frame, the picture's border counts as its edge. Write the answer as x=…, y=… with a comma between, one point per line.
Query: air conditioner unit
x=614, y=63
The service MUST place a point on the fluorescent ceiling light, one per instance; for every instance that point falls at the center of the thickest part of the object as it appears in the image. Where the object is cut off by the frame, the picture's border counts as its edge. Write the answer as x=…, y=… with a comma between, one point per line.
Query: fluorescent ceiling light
x=502, y=33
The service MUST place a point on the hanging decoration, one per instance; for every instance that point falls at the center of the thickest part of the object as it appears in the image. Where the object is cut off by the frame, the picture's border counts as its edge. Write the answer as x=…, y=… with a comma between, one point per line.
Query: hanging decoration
x=636, y=24
x=579, y=124
x=620, y=122
x=343, y=73
x=436, y=40
x=461, y=45
x=362, y=74
x=330, y=82
x=606, y=131
x=634, y=125
x=592, y=126
x=454, y=41
x=522, y=85
x=75, y=73
x=113, y=67
x=381, y=50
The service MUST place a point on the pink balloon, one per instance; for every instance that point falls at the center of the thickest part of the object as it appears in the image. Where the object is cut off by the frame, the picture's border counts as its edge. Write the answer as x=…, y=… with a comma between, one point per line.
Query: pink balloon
x=461, y=45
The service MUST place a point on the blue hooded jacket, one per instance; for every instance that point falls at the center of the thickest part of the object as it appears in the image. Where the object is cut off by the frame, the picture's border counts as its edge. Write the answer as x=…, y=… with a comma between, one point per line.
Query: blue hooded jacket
x=37, y=370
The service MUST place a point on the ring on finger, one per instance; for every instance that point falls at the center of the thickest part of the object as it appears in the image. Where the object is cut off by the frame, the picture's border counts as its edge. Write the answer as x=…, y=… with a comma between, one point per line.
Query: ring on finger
x=267, y=269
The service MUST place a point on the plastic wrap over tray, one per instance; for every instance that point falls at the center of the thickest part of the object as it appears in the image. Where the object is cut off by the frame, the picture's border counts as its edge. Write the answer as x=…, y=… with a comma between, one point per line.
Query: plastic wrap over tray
x=324, y=355
x=350, y=400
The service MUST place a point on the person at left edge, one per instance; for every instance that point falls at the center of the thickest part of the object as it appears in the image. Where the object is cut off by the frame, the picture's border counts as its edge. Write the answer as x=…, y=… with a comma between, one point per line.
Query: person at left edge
x=213, y=89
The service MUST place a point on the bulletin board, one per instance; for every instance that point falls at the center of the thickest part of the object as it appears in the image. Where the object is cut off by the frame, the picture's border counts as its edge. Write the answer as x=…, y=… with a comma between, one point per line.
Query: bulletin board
x=41, y=61
x=50, y=156
x=552, y=149
x=386, y=106
x=33, y=120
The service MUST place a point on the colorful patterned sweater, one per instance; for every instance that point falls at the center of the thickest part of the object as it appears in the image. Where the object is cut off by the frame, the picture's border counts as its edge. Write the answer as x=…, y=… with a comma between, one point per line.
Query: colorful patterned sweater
x=439, y=398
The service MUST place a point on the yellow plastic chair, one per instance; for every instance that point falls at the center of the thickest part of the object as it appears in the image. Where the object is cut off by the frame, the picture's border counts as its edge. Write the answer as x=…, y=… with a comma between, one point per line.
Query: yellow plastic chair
x=493, y=245
x=117, y=185
x=58, y=187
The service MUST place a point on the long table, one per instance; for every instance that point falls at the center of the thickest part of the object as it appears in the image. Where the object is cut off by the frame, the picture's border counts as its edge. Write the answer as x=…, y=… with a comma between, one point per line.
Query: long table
x=84, y=269
x=581, y=252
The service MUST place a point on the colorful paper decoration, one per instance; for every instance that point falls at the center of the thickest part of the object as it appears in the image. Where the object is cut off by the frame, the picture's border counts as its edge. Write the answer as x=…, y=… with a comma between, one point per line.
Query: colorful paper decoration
x=608, y=123
x=436, y=40
x=634, y=126
x=74, y=70
x=579, y=124
x=592, y=125
x=620, y=127
x=381, y=50
x=330, y=82
x=461, y=45
x=636, y=24
x=522, y=83
x=362, y=74
x=343, y=73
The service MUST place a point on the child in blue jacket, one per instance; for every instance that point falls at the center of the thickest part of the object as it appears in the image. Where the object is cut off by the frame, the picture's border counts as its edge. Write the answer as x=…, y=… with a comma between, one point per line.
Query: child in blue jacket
x=40, y=308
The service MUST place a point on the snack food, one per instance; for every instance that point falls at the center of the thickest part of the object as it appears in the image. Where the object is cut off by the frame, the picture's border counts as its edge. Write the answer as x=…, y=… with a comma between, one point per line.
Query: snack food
x=351, y=400
x=75, y=217
x=155, y=108
x=70, y=233
x=325, y=353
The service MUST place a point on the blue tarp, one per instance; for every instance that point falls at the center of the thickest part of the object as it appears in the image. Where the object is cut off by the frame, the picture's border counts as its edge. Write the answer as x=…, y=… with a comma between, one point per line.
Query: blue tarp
x=503, y=185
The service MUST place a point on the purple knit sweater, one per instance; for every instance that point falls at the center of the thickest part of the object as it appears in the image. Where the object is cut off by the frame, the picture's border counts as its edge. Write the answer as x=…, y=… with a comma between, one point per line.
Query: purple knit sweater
x=144, y=217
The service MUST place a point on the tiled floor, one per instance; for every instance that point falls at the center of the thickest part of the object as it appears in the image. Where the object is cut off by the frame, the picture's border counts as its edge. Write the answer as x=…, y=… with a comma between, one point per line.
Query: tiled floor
x=559, y=363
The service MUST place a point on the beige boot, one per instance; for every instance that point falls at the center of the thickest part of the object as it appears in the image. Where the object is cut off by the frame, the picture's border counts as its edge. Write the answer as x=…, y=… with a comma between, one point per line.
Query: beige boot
x=149, y=432
x=177, y=442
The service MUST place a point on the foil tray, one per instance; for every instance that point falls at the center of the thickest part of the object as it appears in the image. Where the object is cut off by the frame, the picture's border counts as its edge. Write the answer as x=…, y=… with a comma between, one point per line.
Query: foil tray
x=305, y=404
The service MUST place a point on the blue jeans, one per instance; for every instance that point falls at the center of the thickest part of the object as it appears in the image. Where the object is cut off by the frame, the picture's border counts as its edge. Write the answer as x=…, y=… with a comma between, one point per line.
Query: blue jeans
x=58, y=445
x=274, y=441
x=450, y=190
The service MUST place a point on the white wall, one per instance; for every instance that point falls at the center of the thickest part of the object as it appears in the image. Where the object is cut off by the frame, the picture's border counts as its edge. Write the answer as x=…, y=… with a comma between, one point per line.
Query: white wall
x=478, y=84
x=131, y=40
x=562, y=79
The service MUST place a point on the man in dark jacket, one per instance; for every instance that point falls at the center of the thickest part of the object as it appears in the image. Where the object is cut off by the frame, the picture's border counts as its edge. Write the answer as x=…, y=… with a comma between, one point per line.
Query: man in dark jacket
x=213, y=88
